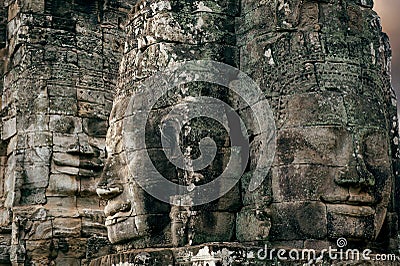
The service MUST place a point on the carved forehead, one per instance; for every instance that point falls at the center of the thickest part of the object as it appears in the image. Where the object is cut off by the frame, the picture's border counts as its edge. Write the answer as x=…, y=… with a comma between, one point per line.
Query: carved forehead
x=330, y=109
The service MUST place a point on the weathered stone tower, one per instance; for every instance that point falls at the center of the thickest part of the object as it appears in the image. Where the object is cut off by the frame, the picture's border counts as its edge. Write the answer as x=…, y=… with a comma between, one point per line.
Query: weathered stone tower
x=59, y=62
x=70, y=69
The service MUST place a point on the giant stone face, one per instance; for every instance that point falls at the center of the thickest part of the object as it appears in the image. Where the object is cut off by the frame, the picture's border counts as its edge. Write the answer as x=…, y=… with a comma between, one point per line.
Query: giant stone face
x=333, y=173
x=331, y=180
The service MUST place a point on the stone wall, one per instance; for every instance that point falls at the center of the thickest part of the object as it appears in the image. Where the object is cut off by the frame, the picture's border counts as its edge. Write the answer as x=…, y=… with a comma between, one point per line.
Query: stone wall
x=324, y=66
x=61, y=68
x=66, y=63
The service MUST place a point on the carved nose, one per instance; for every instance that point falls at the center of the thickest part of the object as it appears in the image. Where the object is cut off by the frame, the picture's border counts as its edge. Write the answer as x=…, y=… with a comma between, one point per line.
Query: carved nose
x=107, y=193
x=107, y=188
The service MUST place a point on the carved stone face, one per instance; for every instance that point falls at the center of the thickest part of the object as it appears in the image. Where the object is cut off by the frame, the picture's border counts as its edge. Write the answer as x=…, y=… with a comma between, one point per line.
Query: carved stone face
x=134, y=215
x=78, y=154
x=78, y=145
x=332, y=175
x=130, y=213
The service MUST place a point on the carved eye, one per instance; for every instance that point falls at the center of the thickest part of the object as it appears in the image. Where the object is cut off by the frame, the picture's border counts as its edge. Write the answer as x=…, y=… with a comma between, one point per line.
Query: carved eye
x=63, y=125
x=376, y=148
x=95, y=127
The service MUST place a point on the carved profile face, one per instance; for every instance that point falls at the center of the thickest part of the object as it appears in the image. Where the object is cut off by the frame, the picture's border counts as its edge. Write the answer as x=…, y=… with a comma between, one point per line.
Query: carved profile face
x=130, y=213
x=332, y=176
x=134, y=215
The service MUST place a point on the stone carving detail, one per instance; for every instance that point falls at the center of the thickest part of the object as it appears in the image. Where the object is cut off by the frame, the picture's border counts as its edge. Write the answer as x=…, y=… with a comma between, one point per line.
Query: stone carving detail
x=324, y=66
x=60, y=67
x=70, y=69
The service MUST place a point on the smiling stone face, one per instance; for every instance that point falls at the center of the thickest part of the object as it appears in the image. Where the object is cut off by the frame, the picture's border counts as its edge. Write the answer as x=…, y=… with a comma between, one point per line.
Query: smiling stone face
x=340, y=176
x=324, y=69
x=328, y=80
x=79, y=145
x=159, y=34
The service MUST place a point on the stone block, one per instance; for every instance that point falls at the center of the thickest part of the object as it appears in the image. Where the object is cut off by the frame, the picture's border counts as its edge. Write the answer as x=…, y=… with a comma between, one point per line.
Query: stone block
x=63, y=106
x=90, y=95
x=88, y=186
x=65, y=124
x=70, y=247
x=65, y=142
x=144, y=230
x=67, y=261
x=90, y=80
x=40, y=230
x=313, y=109
x=65, y=159
x=222, y=224
x=62, y=185
x=298, y=220
x=9, y=128
x=39, y=251
x=58, y=90
x=67, y=227
x=306, y=182
x=261, y=197
x=323, y=145
x=39, y=139
x=87, y=109
x=88, y=204
x=252, y=225
x=343, y=221
x=62, y=206
x=6, y=217
x=39, y=156
x=252, y=17
x=98, y=246
x=364, y=112
x=36, y=175
x=90, y=61
x=96, y=127
x=93, y=224
x=33, y=196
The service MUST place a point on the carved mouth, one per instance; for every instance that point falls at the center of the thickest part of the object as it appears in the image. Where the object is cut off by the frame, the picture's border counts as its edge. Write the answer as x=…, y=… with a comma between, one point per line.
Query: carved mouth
x=115, y=207
x=117, y=212
x=354, y=200
x=351, y=210
x=351, y=205
x=74, y=165
x=110, y=221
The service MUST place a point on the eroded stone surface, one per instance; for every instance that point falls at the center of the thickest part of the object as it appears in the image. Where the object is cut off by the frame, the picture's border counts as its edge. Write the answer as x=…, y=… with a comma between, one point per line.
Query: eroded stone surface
x=60, y=68
x=70, y=68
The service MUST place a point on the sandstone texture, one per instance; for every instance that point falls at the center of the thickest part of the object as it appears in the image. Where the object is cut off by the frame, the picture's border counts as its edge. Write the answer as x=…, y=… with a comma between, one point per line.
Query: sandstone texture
x=69, y=190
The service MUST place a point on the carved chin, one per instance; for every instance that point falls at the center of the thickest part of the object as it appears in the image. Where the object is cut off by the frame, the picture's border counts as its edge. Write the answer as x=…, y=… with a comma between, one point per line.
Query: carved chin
x=354, y=223
x=123, y=230
x=133, y=228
